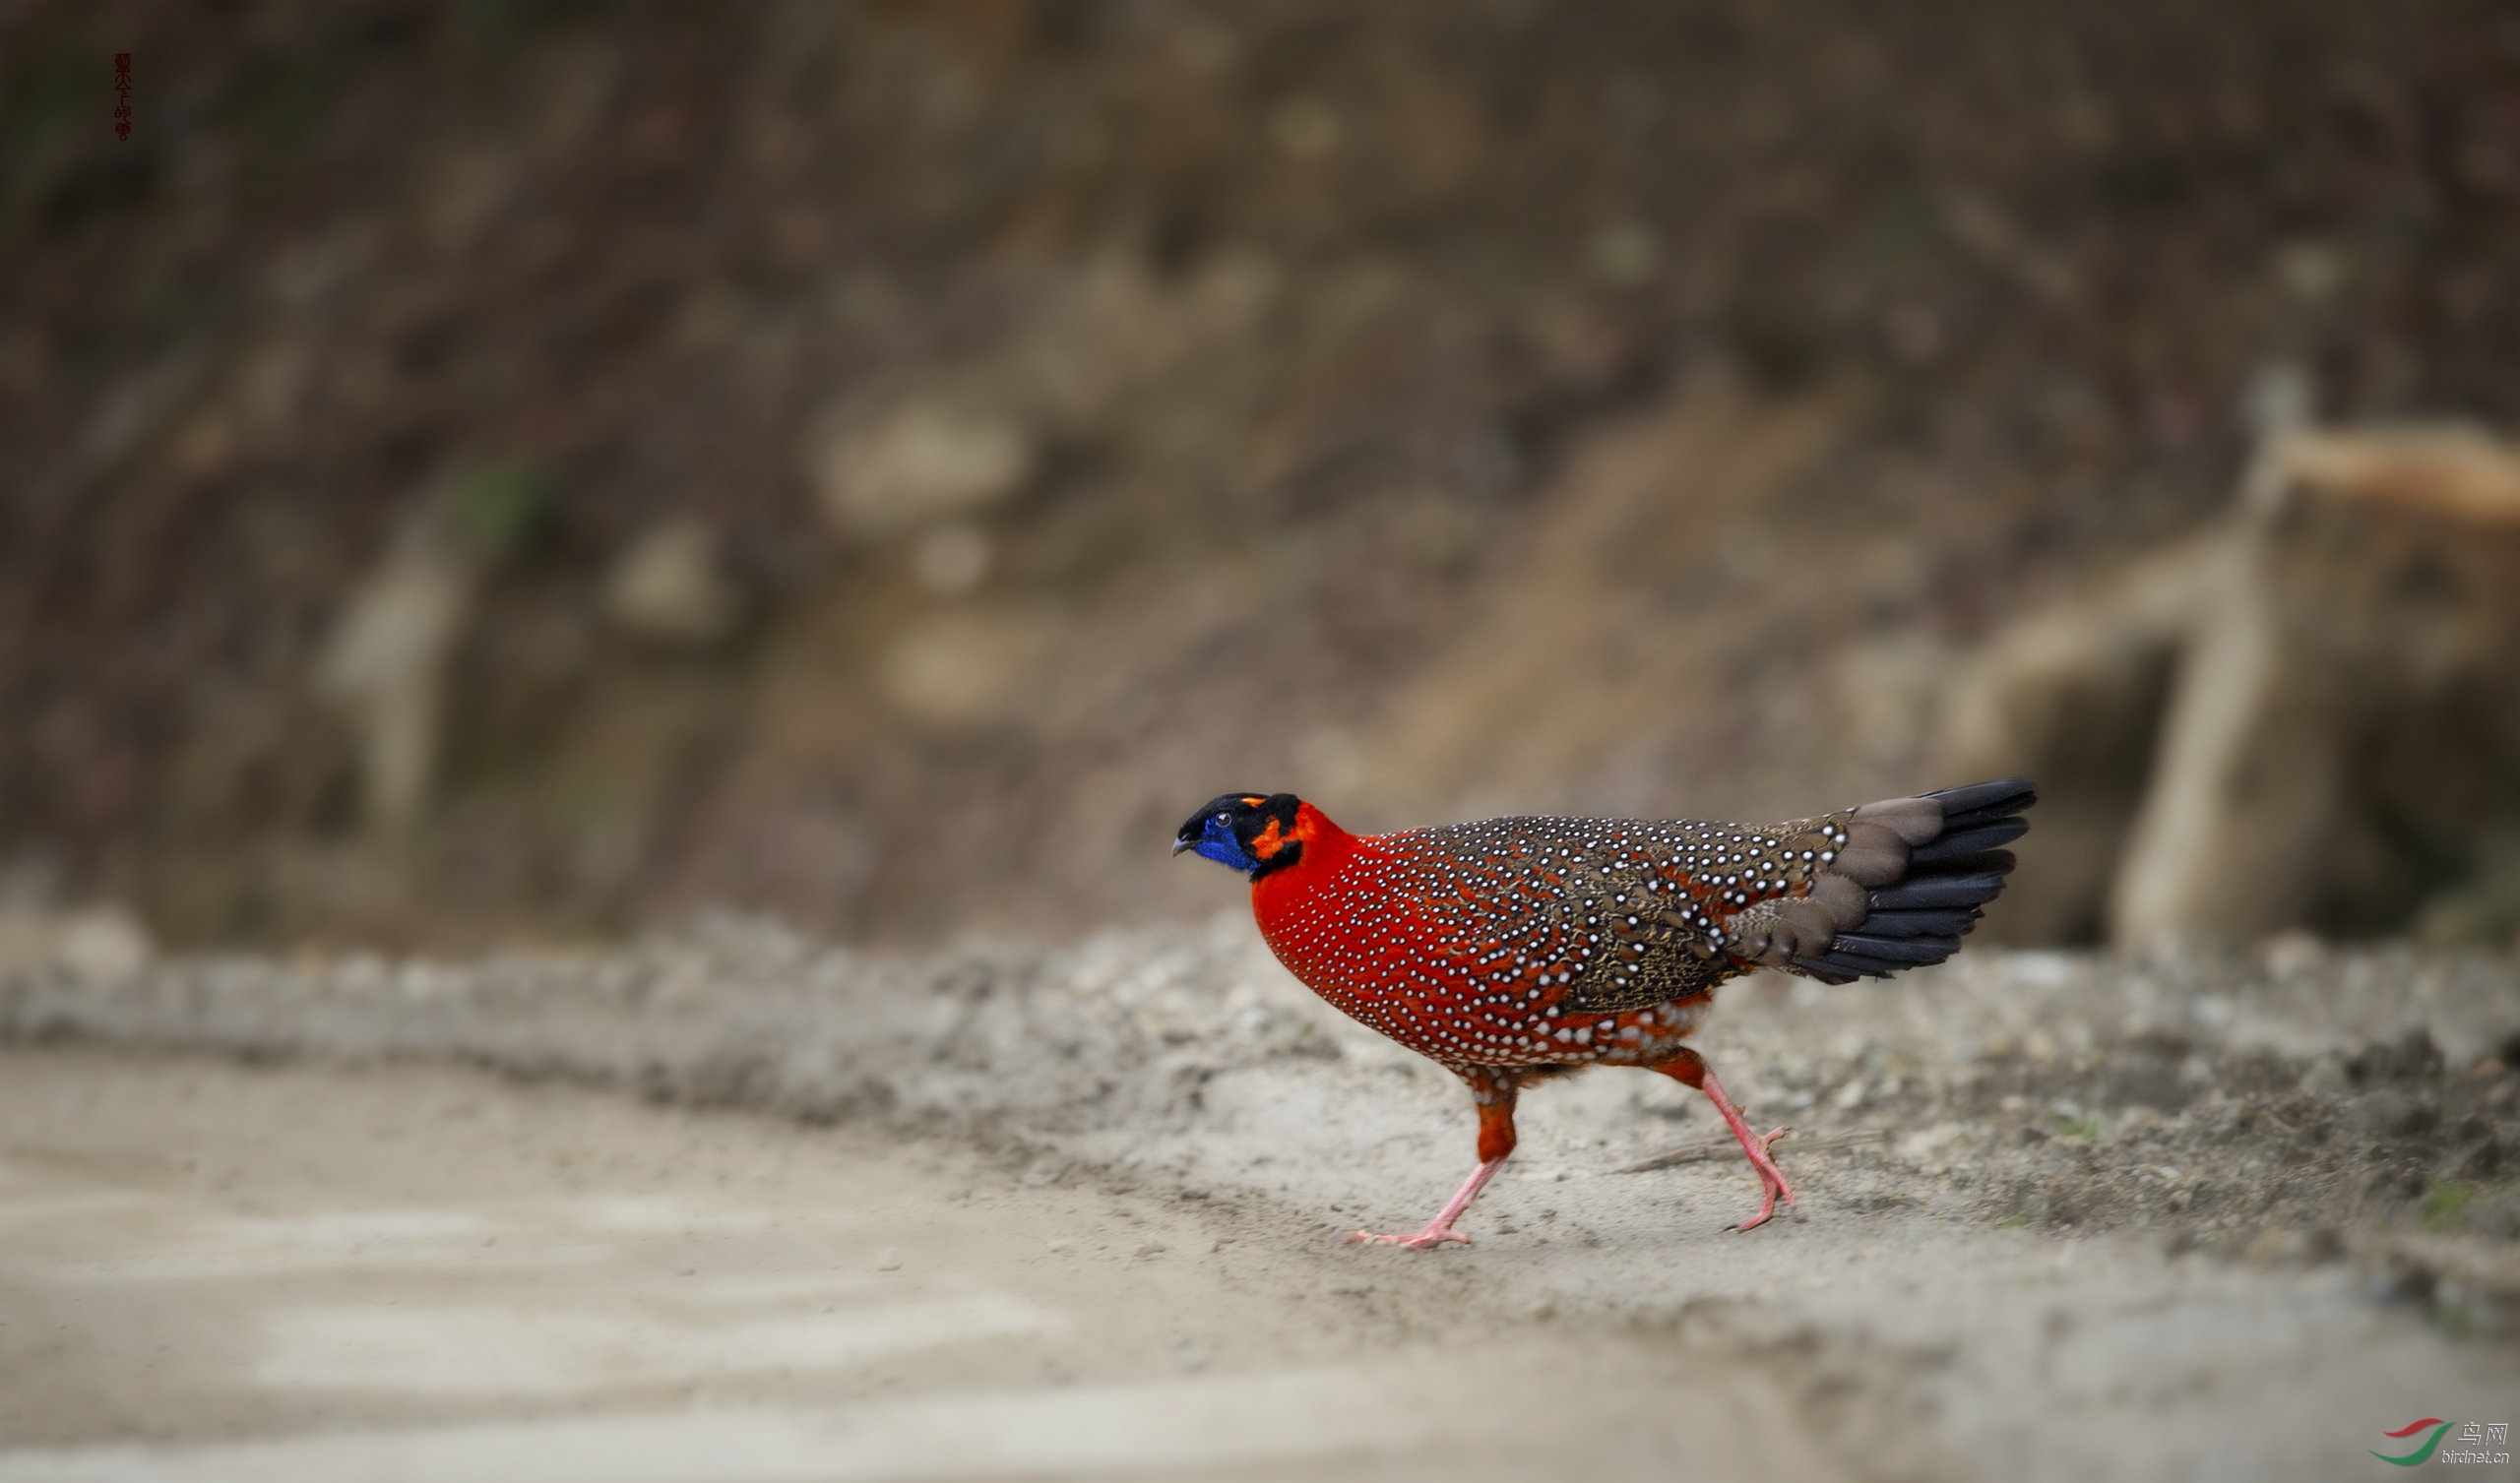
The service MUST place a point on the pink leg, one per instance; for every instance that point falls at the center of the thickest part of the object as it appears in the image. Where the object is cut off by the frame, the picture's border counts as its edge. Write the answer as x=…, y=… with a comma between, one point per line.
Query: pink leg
x=1494, y=1088
x=1440, y=1229
x=1691, y=1070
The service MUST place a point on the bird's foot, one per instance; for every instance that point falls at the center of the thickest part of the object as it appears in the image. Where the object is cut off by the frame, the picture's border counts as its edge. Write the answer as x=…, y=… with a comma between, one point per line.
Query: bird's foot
x=1440, y=1229
x=1771, y=1179
x=1433, y=1236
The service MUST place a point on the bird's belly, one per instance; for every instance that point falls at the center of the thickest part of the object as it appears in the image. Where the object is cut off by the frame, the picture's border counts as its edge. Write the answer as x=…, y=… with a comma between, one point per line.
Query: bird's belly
x=1653, y=1036
x=1478, y=1026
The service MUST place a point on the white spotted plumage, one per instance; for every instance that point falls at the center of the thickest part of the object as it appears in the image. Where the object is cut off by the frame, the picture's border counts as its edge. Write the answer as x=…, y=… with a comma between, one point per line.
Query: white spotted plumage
x=1466, y=942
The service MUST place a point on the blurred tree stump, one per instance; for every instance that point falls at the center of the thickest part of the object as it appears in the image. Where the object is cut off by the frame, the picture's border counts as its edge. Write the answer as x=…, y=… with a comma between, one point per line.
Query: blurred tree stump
x=2309, y=717
x=385, y=663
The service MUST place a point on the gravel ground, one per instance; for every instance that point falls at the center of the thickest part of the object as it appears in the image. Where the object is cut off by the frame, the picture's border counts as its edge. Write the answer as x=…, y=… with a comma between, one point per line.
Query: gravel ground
x=2062, y=1216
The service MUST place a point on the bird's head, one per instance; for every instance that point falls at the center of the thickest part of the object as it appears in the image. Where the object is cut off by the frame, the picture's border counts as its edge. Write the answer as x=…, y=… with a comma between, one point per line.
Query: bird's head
x=1248, y=831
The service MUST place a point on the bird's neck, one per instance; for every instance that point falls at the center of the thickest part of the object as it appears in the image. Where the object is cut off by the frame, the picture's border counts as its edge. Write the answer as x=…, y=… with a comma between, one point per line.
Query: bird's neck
x=1326, y=849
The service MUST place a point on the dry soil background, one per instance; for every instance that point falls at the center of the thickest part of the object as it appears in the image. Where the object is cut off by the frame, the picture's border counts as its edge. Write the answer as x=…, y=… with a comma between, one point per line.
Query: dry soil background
x=893, y=448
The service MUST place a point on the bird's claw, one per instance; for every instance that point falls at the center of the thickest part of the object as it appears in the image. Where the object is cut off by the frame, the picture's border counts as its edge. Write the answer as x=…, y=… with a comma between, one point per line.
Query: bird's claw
x=1771, y=1184
x=1420, y=1241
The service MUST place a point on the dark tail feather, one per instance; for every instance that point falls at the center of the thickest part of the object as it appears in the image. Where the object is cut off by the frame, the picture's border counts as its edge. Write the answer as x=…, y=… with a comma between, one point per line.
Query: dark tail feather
x=1846, y=967
x=1919, y=923
x=1950, y=874
x=1976, y=840
x=1982, y=801
x=1923, y=890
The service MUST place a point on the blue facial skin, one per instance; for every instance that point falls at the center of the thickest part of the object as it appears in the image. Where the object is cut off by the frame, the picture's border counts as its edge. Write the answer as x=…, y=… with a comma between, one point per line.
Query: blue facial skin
x=1217, y=842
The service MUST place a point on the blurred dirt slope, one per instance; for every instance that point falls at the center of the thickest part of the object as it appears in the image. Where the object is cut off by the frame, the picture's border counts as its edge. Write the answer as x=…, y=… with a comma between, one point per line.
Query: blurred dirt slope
x=906, y=455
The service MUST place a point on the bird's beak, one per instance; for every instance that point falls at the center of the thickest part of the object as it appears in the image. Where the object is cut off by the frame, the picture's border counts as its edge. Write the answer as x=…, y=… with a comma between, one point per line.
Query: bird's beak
x=1180, y=845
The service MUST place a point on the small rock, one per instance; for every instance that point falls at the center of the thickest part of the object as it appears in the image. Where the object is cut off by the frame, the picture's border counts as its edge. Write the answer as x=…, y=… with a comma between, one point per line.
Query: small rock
x=1149, y=1249
x=102, y=945
x=888, y=1259
x=952, y=559
x=670, y=588
x=961, y=667
x=929, y=461
x=2326, y=1075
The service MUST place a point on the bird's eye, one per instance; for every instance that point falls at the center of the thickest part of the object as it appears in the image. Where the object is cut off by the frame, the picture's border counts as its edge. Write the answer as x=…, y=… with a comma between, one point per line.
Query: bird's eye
x=1224, y=818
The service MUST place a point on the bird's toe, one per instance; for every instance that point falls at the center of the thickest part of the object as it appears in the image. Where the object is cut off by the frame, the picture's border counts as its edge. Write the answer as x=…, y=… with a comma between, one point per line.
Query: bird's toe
x=1417, y=1241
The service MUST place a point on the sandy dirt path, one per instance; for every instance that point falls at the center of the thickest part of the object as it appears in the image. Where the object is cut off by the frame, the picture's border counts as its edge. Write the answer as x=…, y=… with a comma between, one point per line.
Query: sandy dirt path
x=210, y=1270
x=2060, y=1218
